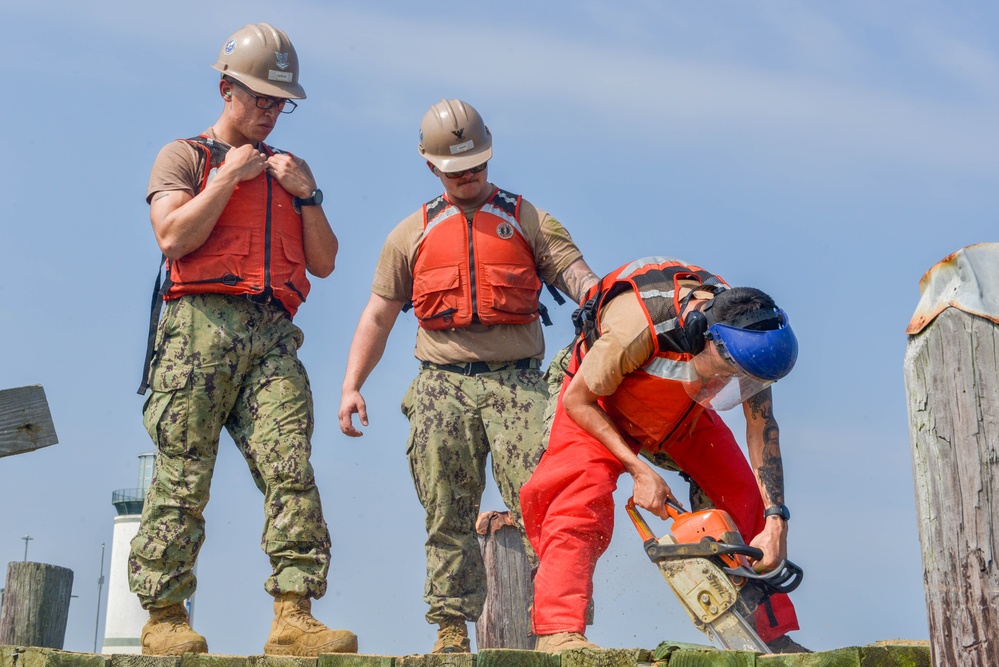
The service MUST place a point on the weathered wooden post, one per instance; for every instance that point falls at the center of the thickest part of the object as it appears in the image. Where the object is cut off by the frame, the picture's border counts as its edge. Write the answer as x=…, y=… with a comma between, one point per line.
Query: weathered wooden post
x=952, y=385
x=506, y=616
x=25, y=421
x=35, y=605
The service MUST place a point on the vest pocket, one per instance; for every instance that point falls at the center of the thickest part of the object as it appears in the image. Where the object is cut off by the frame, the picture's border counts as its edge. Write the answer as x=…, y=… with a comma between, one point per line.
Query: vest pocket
x=513, y=288
x=435, y=292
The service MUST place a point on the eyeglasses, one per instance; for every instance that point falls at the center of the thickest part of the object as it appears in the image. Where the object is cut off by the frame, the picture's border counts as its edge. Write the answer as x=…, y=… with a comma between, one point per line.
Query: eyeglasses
x=265, y=102
x=473, y=170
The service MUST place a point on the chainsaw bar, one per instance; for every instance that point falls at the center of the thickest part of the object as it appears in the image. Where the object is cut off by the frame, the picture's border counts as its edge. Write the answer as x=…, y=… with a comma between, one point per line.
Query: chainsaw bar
x=711, y=600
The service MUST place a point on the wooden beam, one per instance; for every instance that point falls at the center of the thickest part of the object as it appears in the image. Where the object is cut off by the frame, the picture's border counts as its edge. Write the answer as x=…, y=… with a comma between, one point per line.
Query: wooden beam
x=25, y=420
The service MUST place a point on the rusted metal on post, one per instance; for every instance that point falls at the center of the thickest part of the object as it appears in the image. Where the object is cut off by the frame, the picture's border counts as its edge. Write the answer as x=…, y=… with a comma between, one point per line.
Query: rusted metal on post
x=35, y=605
x=506, y=617
x=952, y=386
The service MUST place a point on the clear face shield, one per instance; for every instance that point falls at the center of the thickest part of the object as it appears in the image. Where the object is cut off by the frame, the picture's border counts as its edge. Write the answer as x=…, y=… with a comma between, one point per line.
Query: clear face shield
x=715, y=381
x=738, y=363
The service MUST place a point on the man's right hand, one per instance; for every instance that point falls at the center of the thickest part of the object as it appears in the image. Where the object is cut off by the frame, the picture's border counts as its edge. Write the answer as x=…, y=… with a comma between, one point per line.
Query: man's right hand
x=651, y=491
x=245, y=162
x=352, y=403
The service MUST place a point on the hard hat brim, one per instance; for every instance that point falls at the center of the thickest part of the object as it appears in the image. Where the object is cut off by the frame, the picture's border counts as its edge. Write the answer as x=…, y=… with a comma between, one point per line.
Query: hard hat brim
x=461, y=161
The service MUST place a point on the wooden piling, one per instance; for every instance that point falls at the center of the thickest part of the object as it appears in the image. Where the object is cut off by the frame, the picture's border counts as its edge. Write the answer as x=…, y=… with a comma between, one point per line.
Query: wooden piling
x=35, y=605
x=506, y=617
x=952, y=385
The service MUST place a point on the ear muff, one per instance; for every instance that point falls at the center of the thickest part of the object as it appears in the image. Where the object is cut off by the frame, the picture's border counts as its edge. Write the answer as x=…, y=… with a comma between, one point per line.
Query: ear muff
x=695, y=325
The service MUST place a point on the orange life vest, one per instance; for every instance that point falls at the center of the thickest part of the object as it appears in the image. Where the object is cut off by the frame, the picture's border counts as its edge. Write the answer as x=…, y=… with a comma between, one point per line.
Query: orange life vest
x=650, y=403
x=256, y=246
x=481, y=271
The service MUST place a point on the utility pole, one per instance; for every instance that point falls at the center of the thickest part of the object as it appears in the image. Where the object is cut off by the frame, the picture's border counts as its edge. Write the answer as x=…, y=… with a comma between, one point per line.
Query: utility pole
x=26, y=538
x=100, y=588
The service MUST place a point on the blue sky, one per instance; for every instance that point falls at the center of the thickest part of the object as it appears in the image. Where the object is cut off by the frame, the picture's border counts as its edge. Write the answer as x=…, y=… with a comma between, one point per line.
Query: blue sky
x=828, y=153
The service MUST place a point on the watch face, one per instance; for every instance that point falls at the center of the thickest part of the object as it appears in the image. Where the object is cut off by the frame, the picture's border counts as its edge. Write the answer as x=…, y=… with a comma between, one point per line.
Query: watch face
x=317, y=196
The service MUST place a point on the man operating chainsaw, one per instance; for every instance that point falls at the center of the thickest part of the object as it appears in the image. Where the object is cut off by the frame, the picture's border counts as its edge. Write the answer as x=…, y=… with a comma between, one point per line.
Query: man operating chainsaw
x=662, y=346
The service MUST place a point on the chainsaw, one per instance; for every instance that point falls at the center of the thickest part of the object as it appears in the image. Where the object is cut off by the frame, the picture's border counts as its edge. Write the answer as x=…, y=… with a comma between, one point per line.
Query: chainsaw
x=706, y=562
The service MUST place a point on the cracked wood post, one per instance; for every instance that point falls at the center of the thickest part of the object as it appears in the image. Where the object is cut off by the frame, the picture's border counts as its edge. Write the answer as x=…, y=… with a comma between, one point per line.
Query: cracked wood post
x=506, y=617
x=35, y=605
x=952, y=386
x=25, y=420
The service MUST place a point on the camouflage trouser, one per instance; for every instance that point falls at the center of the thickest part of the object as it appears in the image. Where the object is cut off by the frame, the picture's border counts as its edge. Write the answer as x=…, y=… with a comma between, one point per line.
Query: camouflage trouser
x=455, y=422
x=223, y=361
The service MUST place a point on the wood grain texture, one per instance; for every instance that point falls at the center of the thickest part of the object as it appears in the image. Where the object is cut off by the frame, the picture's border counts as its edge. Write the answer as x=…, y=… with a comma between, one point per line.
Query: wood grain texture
x=952, y=388
x=25, y=420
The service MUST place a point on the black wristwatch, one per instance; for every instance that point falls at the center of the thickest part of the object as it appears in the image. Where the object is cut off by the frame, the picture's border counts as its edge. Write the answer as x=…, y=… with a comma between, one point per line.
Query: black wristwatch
x=315, y=199
x=777, y=510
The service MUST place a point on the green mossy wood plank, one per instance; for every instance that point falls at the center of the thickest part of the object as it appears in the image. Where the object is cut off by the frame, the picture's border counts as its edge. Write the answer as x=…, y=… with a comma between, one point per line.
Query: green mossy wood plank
x=605, y=657
x=30, y=656
x=501, y=657
x=355, y=660
x=280, y=661
x=668, y=647
x=213, y=660
x=843, y=657
x=132, y=660
x=896, y=654
x=711, y=658
x=439, y=660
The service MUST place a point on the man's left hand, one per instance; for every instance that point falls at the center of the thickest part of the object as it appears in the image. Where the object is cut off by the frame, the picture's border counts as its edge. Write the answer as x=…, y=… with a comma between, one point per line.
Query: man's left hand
x=291, y=175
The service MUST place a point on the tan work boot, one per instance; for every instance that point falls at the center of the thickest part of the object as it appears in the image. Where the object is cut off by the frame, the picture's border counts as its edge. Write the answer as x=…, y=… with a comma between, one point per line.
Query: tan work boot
x=168, y=632
x=561, y=641
x=452, y=637
x=295, y=632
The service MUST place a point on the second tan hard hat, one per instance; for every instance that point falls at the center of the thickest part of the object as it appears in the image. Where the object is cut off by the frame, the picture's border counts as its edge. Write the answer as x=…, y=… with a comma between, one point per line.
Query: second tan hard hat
x=453, y=136
x=262, y=58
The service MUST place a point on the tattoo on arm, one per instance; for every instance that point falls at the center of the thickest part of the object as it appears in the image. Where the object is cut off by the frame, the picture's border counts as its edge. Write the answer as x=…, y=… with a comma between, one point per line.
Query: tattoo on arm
x=771, y=470
x=575, y=284
x=161, y=196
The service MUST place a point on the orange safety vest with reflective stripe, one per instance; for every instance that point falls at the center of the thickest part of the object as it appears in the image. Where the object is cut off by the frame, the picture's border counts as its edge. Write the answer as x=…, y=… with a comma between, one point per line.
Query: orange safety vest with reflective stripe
x=479, y=271
x=650, y=403
x=256, y=247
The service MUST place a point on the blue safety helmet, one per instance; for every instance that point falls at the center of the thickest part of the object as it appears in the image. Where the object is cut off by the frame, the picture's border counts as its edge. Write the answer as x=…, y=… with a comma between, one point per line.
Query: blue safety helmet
x=767, y=354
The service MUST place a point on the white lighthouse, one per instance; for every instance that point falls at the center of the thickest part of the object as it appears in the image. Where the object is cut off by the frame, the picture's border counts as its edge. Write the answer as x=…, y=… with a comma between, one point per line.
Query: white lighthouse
x=125, y=616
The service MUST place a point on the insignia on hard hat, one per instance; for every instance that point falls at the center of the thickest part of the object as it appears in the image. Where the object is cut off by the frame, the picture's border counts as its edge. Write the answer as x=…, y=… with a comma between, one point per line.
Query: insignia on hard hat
x=230, y=46
x=282, y=59
x=457, y=133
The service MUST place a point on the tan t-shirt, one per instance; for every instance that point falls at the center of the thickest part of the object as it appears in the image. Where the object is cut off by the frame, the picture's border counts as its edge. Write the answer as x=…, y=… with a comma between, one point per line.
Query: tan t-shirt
x=625, y=344
x=181, y=166
x=553, y=250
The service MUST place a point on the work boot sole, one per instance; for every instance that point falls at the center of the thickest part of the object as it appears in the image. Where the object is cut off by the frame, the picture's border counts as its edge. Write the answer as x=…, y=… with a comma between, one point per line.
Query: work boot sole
x=180, y=649
x=345, y=645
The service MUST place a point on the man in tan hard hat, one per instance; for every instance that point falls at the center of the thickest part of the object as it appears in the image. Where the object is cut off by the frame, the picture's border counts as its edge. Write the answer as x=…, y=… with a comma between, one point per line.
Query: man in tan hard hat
x=240, y=224
x=469, y=262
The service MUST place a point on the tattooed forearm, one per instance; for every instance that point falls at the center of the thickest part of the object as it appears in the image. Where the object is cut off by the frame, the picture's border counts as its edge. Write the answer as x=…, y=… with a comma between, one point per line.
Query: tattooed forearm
x=576, y=279
x=771, y=471
x=772, y=477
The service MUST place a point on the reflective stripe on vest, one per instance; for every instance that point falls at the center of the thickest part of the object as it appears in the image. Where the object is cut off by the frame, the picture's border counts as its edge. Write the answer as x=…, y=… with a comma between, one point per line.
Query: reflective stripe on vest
x=481, y=271
x=651, y=403
x=256, y=246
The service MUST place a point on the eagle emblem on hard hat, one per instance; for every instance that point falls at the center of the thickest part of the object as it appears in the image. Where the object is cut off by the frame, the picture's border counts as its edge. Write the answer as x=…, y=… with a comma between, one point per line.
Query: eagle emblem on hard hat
x=282, y=60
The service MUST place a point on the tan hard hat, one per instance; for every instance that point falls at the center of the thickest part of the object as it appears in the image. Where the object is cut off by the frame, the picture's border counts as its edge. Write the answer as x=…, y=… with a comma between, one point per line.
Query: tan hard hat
x=262, y=58
x=453, y=136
